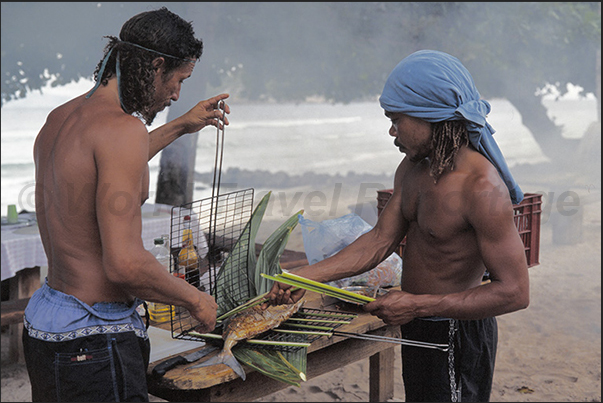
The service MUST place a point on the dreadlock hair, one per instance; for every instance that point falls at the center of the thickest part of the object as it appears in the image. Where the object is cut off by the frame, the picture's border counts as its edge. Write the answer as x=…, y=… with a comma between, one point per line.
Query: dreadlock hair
x=447, y=139
x=159, y=31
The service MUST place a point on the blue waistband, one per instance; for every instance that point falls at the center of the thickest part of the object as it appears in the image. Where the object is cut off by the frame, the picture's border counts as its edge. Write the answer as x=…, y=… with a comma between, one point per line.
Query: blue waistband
x=434, y=318
x=55, y=316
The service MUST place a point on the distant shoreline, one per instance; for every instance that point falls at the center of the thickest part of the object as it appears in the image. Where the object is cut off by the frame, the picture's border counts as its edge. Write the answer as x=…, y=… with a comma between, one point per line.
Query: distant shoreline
x=283, y=180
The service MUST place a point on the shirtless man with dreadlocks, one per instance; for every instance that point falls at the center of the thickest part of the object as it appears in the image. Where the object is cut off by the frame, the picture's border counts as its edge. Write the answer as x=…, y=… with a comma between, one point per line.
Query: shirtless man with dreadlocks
x=452, y=199
x=83, y=339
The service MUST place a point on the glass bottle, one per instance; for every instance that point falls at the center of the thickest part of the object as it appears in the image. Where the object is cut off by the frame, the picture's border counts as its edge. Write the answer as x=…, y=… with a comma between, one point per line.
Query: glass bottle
x=159, y=312
x=188, y=259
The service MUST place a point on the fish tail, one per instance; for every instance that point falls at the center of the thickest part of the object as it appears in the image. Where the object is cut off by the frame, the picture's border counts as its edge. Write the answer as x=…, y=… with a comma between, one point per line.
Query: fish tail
x=226, y=357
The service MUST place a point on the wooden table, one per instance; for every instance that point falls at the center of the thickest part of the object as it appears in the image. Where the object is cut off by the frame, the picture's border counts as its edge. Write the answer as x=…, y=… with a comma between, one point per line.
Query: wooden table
x=219, y=383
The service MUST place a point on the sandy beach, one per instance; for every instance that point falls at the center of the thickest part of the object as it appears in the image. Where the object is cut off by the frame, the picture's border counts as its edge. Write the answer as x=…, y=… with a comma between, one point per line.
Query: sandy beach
x=549, y=352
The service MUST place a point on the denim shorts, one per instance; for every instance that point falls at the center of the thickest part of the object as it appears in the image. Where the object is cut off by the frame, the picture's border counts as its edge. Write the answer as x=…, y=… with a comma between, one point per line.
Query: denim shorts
x=76, y=352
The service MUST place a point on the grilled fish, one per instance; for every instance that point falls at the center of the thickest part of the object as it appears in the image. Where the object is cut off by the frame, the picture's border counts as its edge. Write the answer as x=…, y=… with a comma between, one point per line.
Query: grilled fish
x=247, y=324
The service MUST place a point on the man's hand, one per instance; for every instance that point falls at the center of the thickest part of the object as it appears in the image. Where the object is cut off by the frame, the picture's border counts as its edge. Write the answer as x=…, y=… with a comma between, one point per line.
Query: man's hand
x=206, y=113
x=394, y=308
x=283, y=294
x=205, y=312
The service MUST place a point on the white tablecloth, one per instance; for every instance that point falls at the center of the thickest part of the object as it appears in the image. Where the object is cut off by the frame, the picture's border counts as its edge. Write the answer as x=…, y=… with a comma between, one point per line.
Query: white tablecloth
x=22, y=245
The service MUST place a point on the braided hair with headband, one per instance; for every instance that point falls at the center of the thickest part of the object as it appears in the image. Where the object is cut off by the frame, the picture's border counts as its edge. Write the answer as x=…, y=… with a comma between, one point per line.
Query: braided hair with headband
x=143, y=38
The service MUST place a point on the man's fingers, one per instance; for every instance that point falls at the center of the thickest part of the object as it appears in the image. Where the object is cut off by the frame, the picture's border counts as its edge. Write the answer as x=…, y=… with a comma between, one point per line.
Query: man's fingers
x=221, y=117
x=215, y=102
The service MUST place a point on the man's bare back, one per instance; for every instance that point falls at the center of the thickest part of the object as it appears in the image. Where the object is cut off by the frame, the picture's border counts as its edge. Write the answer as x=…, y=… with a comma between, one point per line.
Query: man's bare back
x=92, y=177
x=66, y=186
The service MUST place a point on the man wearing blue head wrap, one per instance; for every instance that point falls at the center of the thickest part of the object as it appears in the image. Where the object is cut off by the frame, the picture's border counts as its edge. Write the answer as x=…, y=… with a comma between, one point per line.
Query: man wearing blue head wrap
x=452, y=199
x=436, y=87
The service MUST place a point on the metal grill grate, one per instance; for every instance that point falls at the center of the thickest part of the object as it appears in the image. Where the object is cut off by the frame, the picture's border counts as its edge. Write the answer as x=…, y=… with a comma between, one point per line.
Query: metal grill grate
x=215, y=225
x=305, y=316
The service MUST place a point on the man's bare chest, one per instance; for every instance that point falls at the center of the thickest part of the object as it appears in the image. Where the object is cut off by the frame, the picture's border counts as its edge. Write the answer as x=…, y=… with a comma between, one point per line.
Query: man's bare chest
x=436, y=210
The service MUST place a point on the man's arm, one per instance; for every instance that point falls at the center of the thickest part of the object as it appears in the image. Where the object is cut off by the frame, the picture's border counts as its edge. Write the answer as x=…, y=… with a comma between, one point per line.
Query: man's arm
x=203, y=114
x=490, y=213
x=121, y=166
x=364, y=254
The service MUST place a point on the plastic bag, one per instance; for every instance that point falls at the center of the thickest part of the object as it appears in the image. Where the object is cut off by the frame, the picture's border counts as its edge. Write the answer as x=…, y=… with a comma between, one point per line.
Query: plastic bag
x=326, y=238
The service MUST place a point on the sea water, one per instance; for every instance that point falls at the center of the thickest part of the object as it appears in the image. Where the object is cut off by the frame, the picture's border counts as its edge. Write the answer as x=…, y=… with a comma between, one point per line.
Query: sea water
x=292, y=138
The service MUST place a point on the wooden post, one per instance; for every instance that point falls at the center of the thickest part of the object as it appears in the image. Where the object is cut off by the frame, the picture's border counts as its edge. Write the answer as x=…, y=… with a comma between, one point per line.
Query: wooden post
x=381, y=387
x=175, y=183
x=176, y=180
x=567, y=228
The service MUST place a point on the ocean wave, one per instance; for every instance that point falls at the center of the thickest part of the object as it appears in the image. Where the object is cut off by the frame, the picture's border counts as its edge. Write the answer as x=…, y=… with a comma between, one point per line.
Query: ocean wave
x=234, y=177
x=292, y=123
x=9, y=169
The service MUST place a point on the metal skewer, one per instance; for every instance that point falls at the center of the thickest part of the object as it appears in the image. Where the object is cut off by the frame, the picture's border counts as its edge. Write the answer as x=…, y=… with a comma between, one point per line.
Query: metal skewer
x=395, y=340
x=215, y=191
x=219, y=150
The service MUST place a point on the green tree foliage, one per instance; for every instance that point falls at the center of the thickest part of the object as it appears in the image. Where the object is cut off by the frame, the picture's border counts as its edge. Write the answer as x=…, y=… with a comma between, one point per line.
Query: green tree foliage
x=64, y=40
x=341, y=52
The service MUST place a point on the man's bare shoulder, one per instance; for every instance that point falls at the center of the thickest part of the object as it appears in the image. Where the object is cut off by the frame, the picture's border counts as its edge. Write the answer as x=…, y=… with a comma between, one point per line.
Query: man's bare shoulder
x=61, y=113
x=114, y=135
x=119, y=126
x=103, y=122
x=92, y=126
x=68, y=107
x=94, y=113
x=483, y=189
x=402, y=170
x=481, y=175
x=54, y=121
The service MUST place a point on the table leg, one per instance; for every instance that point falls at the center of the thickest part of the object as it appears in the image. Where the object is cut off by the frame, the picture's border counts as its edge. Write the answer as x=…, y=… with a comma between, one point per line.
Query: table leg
x=23, y=285
x=381, y=376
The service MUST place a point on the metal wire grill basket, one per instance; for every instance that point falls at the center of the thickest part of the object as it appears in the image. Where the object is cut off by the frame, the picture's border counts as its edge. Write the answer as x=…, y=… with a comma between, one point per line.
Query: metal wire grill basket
x=215, y=225
x=309, y=317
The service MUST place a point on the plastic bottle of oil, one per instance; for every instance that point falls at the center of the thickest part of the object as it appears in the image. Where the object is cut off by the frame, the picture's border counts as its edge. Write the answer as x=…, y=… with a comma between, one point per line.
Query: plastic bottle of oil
x=158, y=312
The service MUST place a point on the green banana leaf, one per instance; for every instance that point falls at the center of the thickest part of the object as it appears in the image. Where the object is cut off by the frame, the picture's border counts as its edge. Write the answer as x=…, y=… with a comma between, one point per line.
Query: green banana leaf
x=270, y=363
x=256, y=220
x=268, y=259
x=268, y=263
x=232, y=279
x=297, y=359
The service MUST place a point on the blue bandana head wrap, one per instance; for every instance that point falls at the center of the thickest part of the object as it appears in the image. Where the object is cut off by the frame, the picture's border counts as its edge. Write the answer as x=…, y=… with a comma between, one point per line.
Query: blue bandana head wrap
x=435, y=86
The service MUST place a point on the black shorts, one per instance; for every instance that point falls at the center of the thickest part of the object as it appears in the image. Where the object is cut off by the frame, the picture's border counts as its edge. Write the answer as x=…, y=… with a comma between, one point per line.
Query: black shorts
x=100, y=368
x=462, y=374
